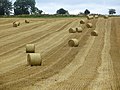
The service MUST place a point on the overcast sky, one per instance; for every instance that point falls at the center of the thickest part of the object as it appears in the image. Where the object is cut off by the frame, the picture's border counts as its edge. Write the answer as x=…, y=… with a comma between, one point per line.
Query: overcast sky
x=76, y=6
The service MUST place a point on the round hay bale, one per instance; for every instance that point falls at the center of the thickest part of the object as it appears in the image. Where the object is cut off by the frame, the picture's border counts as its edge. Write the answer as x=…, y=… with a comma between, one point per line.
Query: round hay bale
x=72, y=30
x=94, y=33
x=82, y=21
x=73, y=43
x=89, y=17
x=18, y=23
x=30, y=48
x=34, y=59
x=89, y=25
x=96, y=16
x=79, y=29
x=106, y=16
x=27, y=21
x=92, y=17
x=15, y=24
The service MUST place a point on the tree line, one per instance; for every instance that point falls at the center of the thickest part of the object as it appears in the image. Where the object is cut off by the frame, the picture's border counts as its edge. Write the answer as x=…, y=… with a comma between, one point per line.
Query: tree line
x=28, y=7
x=19, y=6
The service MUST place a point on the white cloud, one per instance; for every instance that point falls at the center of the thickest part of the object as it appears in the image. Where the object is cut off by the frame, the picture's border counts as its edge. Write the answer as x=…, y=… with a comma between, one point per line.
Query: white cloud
x=75, y=9
x=76, y=6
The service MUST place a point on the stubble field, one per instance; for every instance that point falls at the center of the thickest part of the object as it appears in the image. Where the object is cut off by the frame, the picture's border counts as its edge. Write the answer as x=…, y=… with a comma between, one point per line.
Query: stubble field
x=93, y=65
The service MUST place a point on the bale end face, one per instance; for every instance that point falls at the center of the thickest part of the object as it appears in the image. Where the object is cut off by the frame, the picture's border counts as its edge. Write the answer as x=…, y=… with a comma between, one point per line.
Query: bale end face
x=72, y=30
x=73, y=43
x=34, y=59
x=94, y=33
x=30, y=48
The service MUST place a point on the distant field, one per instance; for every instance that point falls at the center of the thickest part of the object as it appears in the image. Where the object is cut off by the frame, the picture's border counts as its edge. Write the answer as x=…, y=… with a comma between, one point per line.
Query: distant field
x=93, y=65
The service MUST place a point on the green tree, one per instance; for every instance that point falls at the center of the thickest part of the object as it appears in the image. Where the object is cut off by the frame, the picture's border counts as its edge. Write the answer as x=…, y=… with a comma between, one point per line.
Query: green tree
x=37, y=11
x=86, y=12
x=24, y=7
x=112, y=11
x=5, y=7
x=62, y=11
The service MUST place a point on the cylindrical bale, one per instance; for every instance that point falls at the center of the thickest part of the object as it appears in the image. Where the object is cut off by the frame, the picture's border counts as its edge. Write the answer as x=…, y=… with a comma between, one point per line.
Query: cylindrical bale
x=82, y=21
x=18, y=23
x=27, y=21
x=30, y=48
x=106, y=16
x=89, y=25
x=79, y=29
x=96, y=16
x=92, y=17
x=94, y=33
x=34, y=59
x=72, y=30
x=89, y=17
x=15, y=24
x=73, y=43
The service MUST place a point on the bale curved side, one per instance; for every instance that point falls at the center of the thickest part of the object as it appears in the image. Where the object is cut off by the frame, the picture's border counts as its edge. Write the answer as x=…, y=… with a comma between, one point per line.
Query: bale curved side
x=82, y=21
x=94, y=33
x=73, y=43
x=89, y=25
x=27, y=21
x=34, y=59
x=72, y=30
x=15, y=24
x=89, y=17
x=106, y=17
x=96, y=16
x=79, y=29
x=30, y=48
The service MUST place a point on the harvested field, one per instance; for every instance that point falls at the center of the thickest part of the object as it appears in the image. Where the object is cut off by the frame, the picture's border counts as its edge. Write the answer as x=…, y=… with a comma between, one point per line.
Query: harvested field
x=93, y=65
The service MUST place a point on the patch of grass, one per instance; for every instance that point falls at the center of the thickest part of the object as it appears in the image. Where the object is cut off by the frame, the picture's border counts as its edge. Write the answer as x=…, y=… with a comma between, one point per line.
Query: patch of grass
x=41, y=16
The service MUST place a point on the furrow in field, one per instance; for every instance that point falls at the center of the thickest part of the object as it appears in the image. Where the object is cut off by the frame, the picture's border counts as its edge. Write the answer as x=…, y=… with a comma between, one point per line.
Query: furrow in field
x=85, y=69
x=105, y=77
x=15, y=45
x=47, y=38
x=115, y=49
x=62, y=50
